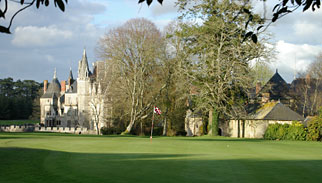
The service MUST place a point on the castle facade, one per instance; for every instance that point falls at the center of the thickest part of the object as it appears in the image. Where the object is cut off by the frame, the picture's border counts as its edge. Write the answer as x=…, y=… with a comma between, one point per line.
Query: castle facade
x=77, y=102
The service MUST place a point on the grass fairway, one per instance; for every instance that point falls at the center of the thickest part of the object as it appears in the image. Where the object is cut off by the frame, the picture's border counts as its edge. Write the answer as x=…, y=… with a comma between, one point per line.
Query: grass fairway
x=43, y=157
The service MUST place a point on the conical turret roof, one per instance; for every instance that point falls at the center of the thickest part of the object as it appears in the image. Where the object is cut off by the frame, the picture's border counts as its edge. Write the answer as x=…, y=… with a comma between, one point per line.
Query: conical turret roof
x=83, y=69
x=53, y=88
x=70, y=74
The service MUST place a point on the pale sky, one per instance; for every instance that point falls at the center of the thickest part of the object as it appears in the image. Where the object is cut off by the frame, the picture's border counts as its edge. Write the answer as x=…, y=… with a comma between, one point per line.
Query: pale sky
x=46, y=38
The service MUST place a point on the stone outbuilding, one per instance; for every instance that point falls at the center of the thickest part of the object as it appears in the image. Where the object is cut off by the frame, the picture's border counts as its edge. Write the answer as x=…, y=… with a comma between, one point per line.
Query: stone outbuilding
x=193, y=124
x=255, y=125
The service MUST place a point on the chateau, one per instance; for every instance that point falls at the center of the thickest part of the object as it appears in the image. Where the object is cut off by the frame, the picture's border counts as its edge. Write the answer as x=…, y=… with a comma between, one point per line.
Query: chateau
x=78, y=102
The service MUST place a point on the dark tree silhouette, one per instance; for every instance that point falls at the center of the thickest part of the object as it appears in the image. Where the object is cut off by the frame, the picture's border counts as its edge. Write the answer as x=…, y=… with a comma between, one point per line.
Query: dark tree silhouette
x=4, y=7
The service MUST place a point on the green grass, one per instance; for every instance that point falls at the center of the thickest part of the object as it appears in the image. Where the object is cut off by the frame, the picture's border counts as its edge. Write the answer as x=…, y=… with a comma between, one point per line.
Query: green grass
x=44, y=157
x=18, y=122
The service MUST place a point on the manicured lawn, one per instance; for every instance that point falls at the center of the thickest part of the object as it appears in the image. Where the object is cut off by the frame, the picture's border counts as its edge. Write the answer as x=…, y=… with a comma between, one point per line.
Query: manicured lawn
x=43, y=157
x=17, y=122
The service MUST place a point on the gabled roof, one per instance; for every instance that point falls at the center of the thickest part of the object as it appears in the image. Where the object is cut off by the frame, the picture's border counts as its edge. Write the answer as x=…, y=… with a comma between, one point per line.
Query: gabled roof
x=276, y=87
x=276, y=111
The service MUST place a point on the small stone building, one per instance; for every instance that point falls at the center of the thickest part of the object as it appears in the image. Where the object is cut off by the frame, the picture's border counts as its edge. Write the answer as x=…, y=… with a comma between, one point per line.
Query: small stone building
x=255, y=125
x=193, y=124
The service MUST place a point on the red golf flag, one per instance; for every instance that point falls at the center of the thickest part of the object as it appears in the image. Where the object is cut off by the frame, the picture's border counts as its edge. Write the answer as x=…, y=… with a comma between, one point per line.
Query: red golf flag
x=157, y=110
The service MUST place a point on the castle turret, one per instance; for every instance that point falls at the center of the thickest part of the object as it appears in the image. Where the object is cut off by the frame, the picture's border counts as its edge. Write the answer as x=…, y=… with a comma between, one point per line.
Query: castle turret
x=70, y=77
x=54, y=87
x=83, y=69
x=49, y=102
x=83, y=91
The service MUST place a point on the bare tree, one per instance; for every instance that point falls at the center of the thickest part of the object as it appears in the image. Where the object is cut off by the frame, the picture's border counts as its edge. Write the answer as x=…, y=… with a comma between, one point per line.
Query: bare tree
x=176, y=90
x=134, y=51
x=261, y=72
x=315, y=72
x=96, y=110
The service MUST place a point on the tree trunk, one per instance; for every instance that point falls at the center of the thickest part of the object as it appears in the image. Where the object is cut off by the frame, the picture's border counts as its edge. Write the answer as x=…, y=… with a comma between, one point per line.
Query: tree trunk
x=305, y=100
x=129, y=127
x=238, y=128
x=243, y=128
x=314, y=105
x=210, y=123
x=213, y=122
x=97, y=129
x=165, y=127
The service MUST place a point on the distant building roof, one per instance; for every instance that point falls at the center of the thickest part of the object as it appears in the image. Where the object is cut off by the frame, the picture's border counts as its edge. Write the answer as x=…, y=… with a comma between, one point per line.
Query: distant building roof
x=53, y=88
x=276, y=111
x=73, y=88
x=276, y=87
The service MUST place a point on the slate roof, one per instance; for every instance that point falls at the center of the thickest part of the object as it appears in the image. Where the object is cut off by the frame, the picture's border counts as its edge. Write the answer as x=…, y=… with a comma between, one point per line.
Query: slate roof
x=83, y=66
x=73, y=88
x=53, y=88
x=70, y=74
x=276, y=87
x=276, y=111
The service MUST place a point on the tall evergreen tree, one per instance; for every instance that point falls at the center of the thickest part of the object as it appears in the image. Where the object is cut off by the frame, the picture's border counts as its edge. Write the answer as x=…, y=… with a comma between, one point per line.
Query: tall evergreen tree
x=216, y=36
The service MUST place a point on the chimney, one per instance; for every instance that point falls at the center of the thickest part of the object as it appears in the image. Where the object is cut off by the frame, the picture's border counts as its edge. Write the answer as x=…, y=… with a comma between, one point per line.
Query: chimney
x=63, y=86
x=258, y=87
x=45, y=85
x=308, y=79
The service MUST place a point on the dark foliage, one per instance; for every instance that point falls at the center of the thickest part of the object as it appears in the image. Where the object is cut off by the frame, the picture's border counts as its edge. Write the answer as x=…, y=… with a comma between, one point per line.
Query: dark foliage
x=315, y=128
x=24, y=5
x=16, y=98
x=111, y=130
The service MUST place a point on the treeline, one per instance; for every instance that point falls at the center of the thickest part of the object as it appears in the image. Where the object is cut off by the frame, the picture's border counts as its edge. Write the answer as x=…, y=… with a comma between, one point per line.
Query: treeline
x=201, y=67
x=17, y=97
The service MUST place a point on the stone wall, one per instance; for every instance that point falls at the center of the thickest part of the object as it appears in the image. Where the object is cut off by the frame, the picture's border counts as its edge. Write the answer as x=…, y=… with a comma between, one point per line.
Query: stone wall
x=33, y=128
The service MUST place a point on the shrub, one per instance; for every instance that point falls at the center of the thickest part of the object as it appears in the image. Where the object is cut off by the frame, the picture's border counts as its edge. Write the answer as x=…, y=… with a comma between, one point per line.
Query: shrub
x=157, y=131
x=201, y=130
x=295, y=131
x=111, y=130
x=315, y=129
x=181, y=133
x=272, y=131
x=171, y=132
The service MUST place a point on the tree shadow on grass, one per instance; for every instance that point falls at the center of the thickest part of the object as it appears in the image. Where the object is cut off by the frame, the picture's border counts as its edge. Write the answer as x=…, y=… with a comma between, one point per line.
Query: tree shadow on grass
x=37, y=165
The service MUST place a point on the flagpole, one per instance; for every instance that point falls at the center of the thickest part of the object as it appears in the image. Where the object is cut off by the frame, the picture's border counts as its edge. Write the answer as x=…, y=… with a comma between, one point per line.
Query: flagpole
x=152, y=125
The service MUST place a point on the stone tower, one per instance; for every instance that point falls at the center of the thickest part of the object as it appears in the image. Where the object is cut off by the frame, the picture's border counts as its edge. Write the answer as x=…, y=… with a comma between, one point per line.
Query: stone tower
x=83, y=87
x=49, y=102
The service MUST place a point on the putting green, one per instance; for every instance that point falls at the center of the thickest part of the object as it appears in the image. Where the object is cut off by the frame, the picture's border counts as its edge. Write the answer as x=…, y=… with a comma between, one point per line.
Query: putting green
x=45, y=157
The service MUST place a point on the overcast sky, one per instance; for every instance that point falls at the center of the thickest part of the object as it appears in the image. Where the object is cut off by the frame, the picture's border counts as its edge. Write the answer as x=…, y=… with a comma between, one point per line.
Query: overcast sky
x=46, y=38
